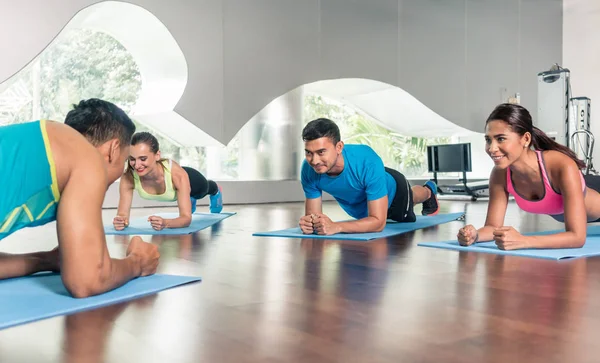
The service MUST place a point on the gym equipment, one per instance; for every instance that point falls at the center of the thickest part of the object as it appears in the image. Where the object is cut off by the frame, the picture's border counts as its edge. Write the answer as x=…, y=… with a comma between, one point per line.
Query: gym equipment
x=580, y=114
x=564, y=118
x=455, y=158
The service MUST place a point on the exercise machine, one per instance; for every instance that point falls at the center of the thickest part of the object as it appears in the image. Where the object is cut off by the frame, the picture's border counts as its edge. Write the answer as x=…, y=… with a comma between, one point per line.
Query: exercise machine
x=455, y=158
x=582, y=139
x=564, y=118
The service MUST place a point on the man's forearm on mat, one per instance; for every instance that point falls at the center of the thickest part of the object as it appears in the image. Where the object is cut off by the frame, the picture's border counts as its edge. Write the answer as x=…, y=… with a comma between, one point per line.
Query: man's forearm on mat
x=15, y=265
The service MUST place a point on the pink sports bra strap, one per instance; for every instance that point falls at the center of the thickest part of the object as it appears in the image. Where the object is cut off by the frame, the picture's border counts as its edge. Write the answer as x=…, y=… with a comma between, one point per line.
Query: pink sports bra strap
x=542, y=166
x=551, y=203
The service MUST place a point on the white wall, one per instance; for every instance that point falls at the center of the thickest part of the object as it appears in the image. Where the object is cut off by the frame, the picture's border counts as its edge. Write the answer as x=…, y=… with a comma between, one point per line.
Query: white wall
x=458, y=57
x=581, y=55
x=455, y=56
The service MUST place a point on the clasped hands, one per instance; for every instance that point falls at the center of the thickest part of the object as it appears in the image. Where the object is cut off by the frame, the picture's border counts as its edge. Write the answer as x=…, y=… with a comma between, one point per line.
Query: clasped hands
x=506, y=237
x=157, y=223
x=318, y=223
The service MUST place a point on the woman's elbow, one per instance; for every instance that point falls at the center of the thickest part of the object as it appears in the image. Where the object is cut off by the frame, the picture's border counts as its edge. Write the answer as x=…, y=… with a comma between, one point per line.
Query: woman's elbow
x=579, y=242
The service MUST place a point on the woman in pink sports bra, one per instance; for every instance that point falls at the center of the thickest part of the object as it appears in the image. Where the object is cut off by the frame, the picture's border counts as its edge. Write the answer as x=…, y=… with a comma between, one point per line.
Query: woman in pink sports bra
x=543, y=176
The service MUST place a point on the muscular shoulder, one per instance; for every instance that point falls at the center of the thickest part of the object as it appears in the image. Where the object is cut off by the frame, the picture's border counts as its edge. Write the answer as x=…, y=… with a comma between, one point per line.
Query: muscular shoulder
x=361, y=152
x=67, y=138
x=178, y=175
x=558, y=164
x=362, y=158
x=557, y=160
x=72, y=152
x=176, y=170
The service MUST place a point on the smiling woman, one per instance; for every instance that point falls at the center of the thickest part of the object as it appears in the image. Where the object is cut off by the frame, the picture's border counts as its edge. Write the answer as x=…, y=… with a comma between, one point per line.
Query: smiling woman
x=160, y=179
x=543, y=176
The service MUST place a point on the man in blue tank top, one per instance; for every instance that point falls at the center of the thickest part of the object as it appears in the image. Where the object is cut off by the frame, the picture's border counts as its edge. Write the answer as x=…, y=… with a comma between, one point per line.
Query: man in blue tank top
x=356, y=177
x=53, y=171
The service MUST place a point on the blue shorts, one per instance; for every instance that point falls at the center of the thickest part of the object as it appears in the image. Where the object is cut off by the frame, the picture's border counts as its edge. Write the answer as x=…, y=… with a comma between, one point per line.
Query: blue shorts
x=27, y=177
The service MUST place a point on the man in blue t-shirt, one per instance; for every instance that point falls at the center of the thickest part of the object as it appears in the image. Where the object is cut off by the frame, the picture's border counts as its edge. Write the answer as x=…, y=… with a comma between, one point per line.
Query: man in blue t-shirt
x=356, y=177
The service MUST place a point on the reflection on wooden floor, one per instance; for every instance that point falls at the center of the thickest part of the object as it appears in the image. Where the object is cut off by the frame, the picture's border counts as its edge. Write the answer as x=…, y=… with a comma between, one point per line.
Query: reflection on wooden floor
x=304, y=300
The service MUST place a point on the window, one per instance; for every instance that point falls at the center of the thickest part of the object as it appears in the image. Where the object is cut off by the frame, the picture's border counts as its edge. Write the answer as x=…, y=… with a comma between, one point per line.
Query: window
x=264, y=150
x=74, y=67
x=403, y=153
x=83, y=63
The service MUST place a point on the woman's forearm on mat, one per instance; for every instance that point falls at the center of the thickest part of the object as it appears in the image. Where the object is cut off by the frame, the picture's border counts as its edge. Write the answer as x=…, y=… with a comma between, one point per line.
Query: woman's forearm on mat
x=485, y=234
x=179, y=222
x=557, y=240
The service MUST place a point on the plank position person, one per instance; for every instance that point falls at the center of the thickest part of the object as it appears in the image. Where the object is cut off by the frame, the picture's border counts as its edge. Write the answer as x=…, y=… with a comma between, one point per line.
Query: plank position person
x=543, y=176
x=161, y=179
x=356, y=177
x=60, y=172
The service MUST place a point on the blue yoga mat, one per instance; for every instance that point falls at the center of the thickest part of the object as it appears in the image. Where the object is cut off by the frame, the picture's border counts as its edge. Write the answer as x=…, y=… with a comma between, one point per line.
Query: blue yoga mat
x=593, y=230
x=591, y=248
x=391, y=229
x=31, y=298
x=141, y=225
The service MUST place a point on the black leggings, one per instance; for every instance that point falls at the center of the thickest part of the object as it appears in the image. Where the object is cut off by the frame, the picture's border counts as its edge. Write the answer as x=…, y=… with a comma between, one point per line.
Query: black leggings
x=401, y=209
x=592, y=182
x=199, y=184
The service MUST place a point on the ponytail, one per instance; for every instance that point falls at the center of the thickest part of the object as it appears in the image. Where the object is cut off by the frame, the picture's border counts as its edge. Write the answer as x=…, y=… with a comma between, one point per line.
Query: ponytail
x=541, y=141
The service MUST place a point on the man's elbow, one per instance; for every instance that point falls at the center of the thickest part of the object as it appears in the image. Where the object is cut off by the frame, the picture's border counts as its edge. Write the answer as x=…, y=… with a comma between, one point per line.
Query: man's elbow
x=79, y=293
x=84, y=285
x=380, y=226
x=81, y=289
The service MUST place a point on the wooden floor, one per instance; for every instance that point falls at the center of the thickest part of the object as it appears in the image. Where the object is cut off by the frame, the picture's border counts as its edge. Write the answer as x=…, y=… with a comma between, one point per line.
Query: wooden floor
x=291, y=300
